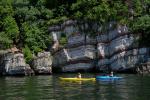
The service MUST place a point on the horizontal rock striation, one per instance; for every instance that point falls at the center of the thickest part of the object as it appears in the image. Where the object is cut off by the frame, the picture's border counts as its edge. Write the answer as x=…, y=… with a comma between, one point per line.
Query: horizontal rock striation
x=78, y=54
x=117, y=49
x=81, y=55
x=127, y=59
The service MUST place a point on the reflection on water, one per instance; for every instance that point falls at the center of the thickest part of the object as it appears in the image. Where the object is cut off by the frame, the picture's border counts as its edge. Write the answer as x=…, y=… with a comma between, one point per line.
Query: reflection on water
x=132, y=87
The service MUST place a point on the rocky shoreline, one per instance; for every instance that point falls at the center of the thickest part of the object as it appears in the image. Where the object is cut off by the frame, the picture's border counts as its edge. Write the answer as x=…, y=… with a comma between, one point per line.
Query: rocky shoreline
x=13, y=64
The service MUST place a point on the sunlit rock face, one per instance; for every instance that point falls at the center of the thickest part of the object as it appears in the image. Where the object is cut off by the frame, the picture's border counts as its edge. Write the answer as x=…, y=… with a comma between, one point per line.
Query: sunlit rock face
x=12, y=64
x=42, y=64
x=69, y=57
x=116, y=49
x=56, y=34
x=103, y=50
x=121, y=43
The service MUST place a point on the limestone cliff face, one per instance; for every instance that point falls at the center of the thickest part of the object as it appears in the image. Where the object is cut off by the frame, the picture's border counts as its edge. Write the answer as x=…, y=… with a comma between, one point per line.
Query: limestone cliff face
x=42, y=64
x=73, y=59
x=12, y=63
x=121, y=55
x=116, y=49
x=77, y=55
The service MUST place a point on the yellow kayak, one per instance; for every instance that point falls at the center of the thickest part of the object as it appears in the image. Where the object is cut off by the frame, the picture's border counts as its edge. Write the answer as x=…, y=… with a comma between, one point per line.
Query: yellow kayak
x=77, y=79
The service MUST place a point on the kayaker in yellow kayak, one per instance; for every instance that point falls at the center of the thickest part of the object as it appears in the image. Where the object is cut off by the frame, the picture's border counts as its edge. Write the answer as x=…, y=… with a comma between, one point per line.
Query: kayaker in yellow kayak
x=79, y=75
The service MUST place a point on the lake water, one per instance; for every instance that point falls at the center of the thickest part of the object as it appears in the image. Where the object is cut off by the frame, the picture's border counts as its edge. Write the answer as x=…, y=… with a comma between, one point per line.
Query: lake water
x=132, y=87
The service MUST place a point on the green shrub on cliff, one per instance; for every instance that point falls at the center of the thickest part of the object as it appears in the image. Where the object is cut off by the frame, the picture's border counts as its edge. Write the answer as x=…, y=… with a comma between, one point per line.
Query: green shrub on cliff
x=63, y=39
x=141, y=25
x=27, y=54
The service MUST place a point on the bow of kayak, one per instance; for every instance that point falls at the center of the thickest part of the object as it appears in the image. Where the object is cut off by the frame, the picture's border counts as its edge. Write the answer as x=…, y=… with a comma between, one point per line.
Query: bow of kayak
x=77, y=79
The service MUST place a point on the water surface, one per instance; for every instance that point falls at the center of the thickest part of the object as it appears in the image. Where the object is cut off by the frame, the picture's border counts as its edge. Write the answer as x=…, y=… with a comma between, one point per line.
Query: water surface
x=132, y=87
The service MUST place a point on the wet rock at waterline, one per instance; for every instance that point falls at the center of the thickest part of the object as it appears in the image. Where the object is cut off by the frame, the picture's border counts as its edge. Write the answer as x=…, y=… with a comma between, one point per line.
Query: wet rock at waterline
x=13, y=63
x=42, y=64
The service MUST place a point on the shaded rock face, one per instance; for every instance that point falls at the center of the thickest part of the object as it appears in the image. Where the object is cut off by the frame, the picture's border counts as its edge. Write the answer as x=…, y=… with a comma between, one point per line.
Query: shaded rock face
x=143, y=68
x=42, y=64
x=77, y=39
x=2, y=69
x=12, y=64
x=117, y=49
x=128, y=59
x=81, y=67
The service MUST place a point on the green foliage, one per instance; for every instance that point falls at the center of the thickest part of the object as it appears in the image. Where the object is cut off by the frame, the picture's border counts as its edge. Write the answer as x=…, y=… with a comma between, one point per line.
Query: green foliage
x=99, y=13
x=10, y=27
x=6, y=11
x=141, y=25
x=137, y=7
x=9, y=30
x=141, y=22
x=34, y=37
x=63, y=39
x=57, y=20
x=4, y=40
x=27, y=54
x=46, y=13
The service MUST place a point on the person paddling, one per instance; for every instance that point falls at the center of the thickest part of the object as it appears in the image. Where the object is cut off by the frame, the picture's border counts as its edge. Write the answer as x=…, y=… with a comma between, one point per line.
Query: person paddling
x=111, y=74
x=79, y=75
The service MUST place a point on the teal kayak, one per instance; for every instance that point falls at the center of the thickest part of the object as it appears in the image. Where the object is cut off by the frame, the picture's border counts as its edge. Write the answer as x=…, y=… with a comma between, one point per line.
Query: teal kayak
x=108, y=77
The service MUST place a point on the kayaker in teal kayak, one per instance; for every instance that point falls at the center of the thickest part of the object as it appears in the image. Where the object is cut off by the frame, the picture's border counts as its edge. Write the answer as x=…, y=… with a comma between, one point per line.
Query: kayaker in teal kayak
x=111, y=74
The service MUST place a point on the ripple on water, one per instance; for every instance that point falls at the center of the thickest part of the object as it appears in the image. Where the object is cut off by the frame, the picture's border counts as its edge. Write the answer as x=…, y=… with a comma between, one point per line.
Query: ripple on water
x=132, y=87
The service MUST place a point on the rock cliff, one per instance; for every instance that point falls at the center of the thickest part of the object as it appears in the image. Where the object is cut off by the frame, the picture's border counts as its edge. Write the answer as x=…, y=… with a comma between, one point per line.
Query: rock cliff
x=13, y=64
x=42, y=64
x=116, y=49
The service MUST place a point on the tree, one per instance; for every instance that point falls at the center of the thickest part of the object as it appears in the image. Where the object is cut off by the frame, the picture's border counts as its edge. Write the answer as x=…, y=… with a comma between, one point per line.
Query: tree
x=10, y=28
